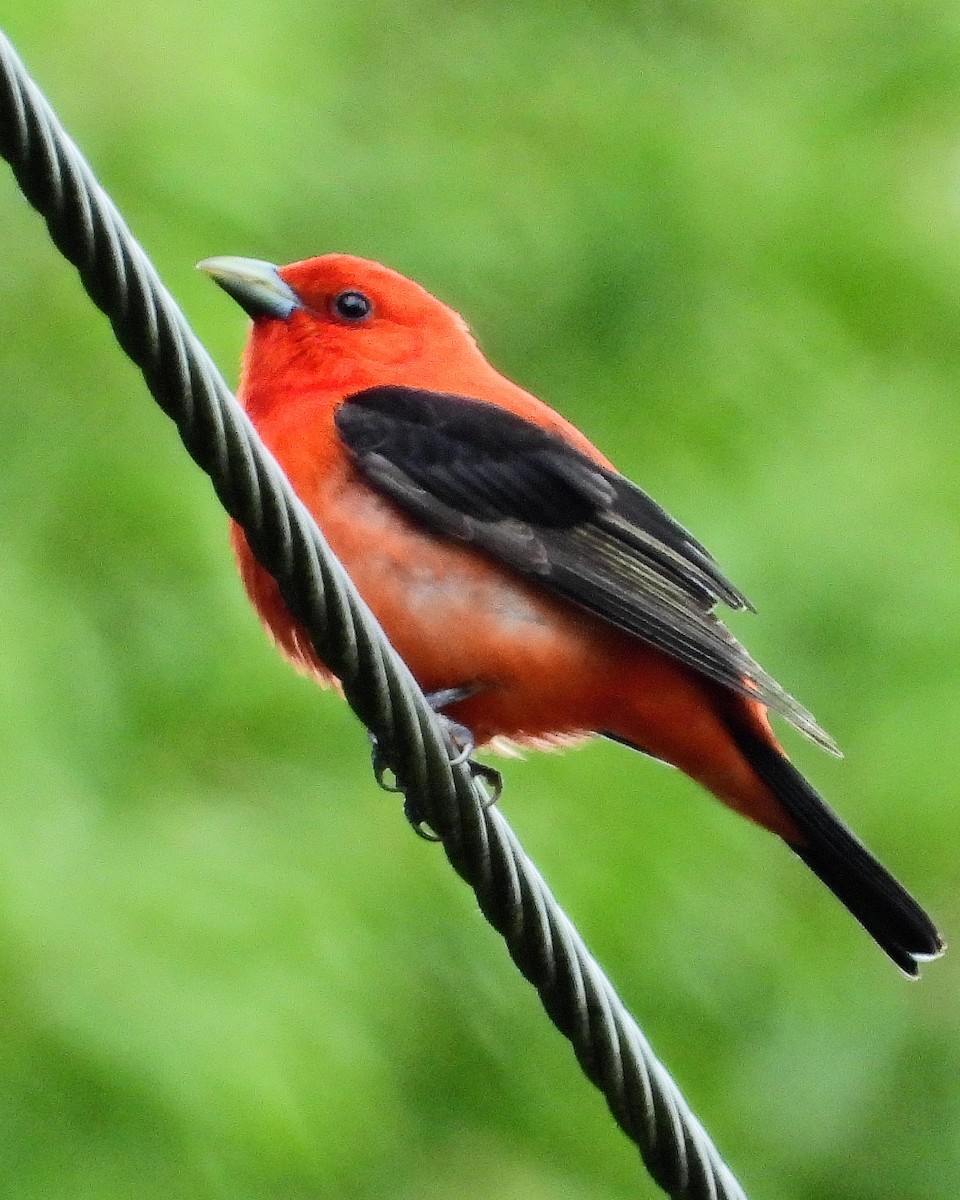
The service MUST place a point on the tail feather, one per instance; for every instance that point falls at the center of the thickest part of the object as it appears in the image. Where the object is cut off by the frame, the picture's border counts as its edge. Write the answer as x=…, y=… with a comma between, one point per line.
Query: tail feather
x=891, y=916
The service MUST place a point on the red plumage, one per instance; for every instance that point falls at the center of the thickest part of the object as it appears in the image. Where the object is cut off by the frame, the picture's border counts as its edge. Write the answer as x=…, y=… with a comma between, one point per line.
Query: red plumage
x=519, y=566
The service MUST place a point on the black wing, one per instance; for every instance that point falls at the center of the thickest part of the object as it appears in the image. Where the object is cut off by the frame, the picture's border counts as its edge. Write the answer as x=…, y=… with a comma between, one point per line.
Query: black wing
x=475, y=472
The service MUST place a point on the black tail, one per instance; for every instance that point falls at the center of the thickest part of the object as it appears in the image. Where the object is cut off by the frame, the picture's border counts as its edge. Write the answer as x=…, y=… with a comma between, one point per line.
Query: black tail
x=886, y=910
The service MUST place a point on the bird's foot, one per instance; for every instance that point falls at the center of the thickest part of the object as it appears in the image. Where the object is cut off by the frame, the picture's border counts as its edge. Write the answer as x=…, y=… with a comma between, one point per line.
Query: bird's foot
x=463, y=739
x=490, y=779
x=491, y=784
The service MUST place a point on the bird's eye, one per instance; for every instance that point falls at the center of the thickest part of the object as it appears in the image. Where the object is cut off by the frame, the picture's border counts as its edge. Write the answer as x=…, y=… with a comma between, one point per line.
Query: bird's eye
x=352, y=306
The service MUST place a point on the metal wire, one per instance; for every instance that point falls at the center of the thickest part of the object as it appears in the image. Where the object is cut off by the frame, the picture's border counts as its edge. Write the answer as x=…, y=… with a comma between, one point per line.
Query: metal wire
x=479, y=843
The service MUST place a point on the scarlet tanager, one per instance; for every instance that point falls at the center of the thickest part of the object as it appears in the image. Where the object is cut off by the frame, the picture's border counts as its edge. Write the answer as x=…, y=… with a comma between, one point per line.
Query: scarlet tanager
x=534, y=591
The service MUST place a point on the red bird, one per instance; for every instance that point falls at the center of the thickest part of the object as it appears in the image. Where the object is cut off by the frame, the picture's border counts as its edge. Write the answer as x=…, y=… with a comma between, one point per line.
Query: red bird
x=533, y=591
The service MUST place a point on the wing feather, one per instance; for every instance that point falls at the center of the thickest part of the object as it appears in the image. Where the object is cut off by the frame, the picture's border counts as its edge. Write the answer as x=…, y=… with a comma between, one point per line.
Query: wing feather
x=477, y=473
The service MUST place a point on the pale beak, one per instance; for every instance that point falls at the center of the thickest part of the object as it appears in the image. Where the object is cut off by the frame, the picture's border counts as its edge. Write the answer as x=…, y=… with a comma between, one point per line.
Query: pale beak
x=256, y=286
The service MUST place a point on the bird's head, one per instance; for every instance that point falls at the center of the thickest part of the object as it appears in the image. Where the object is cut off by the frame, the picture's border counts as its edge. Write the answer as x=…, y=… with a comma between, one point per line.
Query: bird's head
x=341, y=321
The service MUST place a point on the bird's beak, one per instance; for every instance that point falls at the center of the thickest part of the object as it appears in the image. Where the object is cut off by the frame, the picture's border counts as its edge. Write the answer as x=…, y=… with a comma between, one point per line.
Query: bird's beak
x=256, y=286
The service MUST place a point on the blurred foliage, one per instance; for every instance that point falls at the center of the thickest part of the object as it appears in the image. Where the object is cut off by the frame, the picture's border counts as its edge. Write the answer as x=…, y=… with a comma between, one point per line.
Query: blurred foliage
x=725, y=239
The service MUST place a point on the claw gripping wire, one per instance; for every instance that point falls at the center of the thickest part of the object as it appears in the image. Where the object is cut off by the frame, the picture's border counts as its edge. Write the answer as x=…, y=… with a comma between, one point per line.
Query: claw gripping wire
x=476, y=838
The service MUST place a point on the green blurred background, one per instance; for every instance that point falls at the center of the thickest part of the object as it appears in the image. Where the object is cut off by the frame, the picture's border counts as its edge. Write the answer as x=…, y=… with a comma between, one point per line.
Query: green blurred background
x=724, y=238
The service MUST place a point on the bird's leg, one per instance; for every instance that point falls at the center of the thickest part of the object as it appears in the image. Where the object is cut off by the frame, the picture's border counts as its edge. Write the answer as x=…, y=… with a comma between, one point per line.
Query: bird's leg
x=462, y=738
x=459, y=734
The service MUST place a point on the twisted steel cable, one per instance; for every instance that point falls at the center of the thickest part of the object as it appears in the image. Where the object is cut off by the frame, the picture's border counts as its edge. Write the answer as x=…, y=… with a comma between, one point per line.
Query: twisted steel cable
x=479, y=843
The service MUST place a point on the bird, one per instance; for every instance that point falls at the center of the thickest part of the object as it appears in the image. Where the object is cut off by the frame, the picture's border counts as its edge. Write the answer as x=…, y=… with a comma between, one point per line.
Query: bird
x=537, y=595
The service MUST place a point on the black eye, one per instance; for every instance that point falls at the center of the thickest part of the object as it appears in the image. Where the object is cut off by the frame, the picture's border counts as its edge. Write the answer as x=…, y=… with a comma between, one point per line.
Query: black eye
x=352, y=306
